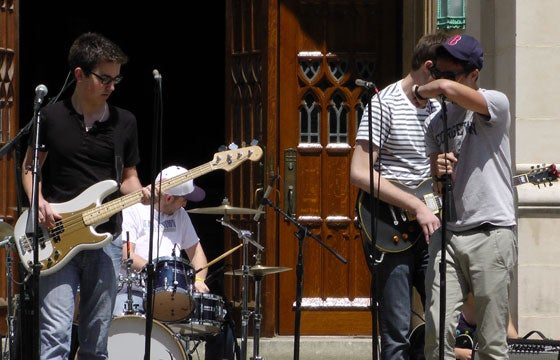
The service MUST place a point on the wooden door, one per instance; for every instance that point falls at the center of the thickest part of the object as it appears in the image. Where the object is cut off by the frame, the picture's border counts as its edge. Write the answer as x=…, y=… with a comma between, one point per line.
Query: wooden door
x=290, y=72
x=324, y=48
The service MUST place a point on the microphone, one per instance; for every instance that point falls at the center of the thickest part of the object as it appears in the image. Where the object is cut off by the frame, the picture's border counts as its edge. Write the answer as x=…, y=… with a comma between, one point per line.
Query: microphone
x=40, y=92
x=366, y=84
x=157, y=75
x=265, y=198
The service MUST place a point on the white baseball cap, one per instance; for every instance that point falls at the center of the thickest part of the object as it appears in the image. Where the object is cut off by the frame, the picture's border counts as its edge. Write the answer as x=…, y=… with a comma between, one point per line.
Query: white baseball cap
x=188, y=189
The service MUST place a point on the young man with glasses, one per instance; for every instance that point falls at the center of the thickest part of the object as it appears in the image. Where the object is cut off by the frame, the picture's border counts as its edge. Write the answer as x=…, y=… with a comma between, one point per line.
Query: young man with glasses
x=87, y=141
x=480, y=244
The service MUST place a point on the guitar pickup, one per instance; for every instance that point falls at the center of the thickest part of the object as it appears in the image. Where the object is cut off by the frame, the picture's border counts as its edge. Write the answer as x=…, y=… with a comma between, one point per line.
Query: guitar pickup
x=433, y=202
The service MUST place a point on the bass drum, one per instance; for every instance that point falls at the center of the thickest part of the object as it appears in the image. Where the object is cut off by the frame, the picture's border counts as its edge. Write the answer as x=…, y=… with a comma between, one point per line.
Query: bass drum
x=127, y=340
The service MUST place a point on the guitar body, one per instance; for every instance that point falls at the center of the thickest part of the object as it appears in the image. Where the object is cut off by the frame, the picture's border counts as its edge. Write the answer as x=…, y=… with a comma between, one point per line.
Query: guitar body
x=75, y=231
x=57, y=247
x=396, y=229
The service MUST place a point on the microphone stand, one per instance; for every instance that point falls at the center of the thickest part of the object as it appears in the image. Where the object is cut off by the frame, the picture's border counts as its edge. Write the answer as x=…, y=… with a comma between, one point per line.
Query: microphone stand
x=447, y=214
x=373, y=209
x=158, y=116
x=7, y=147
x=300, y=234
x=32, y=228
x=32, y=225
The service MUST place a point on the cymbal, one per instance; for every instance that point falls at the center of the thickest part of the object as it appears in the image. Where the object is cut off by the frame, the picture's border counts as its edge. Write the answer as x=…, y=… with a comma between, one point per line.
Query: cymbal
x=259, y=270
x=6, y=229
x=224, y=210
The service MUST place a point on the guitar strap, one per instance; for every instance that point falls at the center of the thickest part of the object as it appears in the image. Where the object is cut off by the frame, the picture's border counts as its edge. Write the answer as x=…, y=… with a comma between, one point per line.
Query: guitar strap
x=118, y=146
x=118, y=168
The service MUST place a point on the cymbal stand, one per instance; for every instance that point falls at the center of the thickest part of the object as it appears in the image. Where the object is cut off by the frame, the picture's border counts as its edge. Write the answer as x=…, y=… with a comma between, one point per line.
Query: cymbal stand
x=257, y=317
x=245, y=313
x=11, y=315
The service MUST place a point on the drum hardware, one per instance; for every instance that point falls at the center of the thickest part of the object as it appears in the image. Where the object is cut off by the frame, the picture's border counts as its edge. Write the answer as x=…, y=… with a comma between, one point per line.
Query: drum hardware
x=245, y=313
x=132, y=277
x=259, y=270
x=224, y=209
x=7, y=231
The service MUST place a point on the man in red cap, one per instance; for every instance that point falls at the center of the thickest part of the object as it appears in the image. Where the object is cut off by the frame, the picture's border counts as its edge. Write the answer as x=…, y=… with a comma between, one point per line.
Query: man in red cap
x=480, y=244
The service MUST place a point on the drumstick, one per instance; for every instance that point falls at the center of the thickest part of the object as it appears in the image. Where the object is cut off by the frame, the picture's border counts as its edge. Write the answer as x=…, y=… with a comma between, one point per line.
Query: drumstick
x=219, y=258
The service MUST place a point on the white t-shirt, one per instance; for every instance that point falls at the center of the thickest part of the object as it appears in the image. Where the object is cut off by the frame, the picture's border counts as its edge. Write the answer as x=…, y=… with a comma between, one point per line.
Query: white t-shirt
x=171, y=232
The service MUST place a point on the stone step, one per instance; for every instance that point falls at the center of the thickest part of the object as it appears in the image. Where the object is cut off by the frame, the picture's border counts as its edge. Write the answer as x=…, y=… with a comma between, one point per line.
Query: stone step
x=310, y=348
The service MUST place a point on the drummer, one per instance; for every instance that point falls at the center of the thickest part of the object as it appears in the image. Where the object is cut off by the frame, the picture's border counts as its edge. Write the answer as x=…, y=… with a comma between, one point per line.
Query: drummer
x=173, y=232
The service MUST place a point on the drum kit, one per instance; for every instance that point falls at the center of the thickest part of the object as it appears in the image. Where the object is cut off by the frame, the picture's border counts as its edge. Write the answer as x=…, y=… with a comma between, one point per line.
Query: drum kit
x=182, y=317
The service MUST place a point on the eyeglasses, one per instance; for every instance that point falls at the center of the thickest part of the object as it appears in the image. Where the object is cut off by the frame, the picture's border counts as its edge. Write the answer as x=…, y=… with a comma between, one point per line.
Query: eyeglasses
x=449, y=75
x=106, y=79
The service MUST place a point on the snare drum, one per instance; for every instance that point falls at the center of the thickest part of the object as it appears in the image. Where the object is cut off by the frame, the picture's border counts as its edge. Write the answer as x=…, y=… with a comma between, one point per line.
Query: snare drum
x=206, y=318
x=173, y=289
x=127, y=340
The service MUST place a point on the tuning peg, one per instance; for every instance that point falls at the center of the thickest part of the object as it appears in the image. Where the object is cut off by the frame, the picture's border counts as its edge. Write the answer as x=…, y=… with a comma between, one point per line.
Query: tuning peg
x=254, y=142
x=233, y=146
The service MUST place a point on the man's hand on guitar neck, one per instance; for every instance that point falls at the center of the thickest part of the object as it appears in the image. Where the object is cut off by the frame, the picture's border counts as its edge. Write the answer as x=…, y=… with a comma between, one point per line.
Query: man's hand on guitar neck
x=147, y=195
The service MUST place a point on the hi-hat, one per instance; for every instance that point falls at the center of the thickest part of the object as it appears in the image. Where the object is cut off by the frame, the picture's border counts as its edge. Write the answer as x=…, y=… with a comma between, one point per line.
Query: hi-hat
x=224, y=210
x=259, y=270
x=5, y=230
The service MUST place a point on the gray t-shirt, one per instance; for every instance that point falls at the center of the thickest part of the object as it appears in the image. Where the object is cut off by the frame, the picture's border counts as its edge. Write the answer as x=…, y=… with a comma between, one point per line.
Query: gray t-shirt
x=482, y=186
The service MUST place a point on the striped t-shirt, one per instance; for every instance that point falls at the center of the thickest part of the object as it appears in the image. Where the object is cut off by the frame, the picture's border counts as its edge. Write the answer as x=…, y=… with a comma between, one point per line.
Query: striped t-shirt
x=398, y=130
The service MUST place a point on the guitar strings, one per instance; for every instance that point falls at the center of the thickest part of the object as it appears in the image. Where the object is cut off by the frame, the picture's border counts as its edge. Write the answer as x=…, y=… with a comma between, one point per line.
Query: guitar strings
x=76, y=222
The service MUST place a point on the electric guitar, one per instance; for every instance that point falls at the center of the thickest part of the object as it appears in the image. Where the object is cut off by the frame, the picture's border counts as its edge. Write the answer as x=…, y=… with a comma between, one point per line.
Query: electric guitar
x=397, y=229
x=539, y=175
x=76, y=230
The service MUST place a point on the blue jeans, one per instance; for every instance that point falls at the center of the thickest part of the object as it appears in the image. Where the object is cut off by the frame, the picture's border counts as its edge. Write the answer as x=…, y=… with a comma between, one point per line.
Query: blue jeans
x=395, y=276
x=90, y=272
x=114, y=250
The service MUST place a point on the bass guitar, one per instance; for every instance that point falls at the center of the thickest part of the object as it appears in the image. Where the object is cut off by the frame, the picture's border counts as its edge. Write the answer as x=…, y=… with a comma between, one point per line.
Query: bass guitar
x=75, y=231
x=397, y=229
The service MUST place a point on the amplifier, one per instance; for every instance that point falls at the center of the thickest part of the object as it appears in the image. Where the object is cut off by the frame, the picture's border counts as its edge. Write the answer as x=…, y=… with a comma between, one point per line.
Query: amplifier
x=530, y=349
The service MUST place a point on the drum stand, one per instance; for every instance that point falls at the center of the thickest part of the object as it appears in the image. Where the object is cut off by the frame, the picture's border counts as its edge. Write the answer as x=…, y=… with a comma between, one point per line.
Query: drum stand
x=245, y=313
x=128, y=280
x=10, y=315
x=257, y=316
